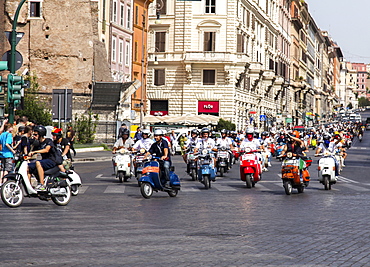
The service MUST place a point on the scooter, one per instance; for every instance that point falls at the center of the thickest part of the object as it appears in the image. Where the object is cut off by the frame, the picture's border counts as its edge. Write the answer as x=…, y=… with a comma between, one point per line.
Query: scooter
x=236, y=154
x=75, y=179
x=122, y=165
x=360, y=137
x=192, y=164
x=250, y=167
x=327, y=169
x=153, y=179
x=222, y=161
x=18, y=186
x=291, y=173
x=139, y=164
x=206, y=170
x=279, y=150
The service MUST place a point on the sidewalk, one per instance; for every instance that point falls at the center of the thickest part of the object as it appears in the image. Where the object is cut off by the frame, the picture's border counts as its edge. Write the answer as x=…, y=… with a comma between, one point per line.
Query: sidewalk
x=92, y=154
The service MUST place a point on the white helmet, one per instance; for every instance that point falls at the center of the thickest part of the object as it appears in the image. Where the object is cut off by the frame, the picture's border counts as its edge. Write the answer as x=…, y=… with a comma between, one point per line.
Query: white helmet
x=158, y=132
x=249, y=131
x=145, y=131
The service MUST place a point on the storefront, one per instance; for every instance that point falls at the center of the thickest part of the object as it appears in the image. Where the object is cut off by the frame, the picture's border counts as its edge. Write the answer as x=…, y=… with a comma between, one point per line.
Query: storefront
x=209, y=108
x=159, y=107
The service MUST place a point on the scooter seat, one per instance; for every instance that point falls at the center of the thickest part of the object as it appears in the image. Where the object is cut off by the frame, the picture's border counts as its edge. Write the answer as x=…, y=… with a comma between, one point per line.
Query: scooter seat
x=52, y=170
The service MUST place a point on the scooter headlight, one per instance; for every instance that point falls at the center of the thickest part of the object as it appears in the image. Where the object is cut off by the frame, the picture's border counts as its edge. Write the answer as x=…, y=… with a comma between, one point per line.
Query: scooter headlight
x=289, y=155
x=204, y=152
x=142, y=150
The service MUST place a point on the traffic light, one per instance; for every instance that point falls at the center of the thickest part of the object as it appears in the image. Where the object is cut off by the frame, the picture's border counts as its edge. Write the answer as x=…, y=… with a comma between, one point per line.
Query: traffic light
x=15, y=85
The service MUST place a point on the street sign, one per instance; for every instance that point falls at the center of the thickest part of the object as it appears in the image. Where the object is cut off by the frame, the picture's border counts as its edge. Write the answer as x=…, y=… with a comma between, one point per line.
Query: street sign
x=62, y=105
x=262, y=117
x=18, y=59
x=18, y=36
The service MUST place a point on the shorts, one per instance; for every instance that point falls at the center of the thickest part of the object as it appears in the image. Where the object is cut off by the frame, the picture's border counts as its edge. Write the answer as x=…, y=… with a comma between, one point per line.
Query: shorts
x=46, y=164
x=7, y=164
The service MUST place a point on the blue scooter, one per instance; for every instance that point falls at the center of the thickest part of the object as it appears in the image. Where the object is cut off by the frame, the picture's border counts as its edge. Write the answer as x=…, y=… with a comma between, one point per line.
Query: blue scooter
x=206, y=173
x=153, y=179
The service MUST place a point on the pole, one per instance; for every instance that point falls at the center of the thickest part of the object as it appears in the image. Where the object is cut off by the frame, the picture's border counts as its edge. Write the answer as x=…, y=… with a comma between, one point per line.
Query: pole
x=142, y=67
x=13, y=44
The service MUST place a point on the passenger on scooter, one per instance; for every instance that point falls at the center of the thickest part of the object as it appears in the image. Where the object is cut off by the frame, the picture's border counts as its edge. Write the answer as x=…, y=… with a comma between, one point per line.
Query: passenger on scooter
x=161, y=149
x=46, y=148
x=63, y=145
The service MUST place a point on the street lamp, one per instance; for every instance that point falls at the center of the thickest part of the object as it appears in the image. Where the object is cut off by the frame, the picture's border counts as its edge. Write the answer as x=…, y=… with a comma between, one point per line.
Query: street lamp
x=159, y=5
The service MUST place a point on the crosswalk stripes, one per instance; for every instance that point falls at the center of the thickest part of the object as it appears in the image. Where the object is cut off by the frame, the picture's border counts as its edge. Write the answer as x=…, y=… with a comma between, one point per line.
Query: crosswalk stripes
x=356, y=188
x=114, y=189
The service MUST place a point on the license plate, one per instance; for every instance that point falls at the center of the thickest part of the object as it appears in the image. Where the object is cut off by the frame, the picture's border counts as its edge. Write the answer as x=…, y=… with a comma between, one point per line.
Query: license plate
x=248, y=157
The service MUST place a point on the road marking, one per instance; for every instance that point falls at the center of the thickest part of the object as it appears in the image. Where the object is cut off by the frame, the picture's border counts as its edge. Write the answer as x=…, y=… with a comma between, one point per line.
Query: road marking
x=223, y=188
x=82, y=189
x=114, y=189
x=346, y=180
x=262, y=187
x=355, y=187
x=189, y=189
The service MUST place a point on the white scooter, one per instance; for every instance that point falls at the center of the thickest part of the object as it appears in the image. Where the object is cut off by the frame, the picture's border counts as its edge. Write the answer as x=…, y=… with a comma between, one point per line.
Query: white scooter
x=122, y=165
x=327, y=169
x=75, y=180
x=18, y=186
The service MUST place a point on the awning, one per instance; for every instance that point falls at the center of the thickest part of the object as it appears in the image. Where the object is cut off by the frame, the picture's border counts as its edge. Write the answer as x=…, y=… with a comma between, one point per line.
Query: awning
x=130, y=90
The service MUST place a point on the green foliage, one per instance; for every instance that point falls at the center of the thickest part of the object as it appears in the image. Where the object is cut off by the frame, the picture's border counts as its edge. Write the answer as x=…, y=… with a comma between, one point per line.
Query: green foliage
x=363, y=101
x=85, y=127
x=224, y=124
x=34, y=109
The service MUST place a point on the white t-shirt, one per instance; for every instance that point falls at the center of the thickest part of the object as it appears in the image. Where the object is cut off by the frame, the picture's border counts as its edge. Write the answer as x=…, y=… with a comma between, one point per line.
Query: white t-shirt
x=330, y=148
x=191, y=141
x=143, y=143
x=253, y=145
x=128, y=144
x=224, y=142
x=206, y=144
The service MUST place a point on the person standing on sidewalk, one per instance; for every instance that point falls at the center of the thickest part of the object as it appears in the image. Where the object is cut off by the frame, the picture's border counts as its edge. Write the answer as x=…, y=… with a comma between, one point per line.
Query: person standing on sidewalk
x=7, y=151
x=138, y=135
x=70, y=135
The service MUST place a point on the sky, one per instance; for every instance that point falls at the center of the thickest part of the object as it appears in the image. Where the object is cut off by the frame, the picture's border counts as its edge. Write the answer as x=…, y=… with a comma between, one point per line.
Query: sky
x=348, y=24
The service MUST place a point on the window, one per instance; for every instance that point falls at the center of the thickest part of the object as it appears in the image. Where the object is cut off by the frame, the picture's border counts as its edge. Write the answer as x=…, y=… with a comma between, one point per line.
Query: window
x=121, y=20
x=128, y=17
x=209, y=77
x=127, y=53
x=209, y=41
x=136, y=15
x=114, y=11
x=160, y=41
x=163, y=8
x=120, y=57
x=210, y=7
x=158, y=105
x=35, y=9
x=135, y=52
x=114, y=49
x=240, y=43
x=159, y=77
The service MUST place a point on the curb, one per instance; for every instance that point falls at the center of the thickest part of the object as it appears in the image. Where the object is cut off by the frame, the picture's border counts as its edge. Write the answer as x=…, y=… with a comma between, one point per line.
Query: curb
x=89, y=149
x=93, y=159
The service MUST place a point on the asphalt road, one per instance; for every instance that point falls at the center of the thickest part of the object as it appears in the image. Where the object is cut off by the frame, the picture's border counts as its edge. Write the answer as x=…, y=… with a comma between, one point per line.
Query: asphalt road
x=111, y=224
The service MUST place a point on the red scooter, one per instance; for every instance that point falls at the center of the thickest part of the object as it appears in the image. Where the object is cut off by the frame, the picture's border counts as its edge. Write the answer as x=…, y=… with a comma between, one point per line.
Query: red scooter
x=250, y=167
x=236, y=154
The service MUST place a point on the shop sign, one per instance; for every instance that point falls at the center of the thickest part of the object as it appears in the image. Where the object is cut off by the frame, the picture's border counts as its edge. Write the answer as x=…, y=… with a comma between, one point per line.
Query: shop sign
x=208, y=107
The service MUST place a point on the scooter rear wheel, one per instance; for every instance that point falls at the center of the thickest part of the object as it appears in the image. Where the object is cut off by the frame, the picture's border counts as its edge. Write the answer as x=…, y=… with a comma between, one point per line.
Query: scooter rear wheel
x=11, y=194
x=146, y=190
x=173, y=193
x=74, y=190
x=63, y=200
x=120, y=177
x=326, y=183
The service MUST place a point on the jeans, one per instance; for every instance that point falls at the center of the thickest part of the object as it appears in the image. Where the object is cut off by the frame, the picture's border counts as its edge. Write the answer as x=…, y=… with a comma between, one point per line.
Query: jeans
x=166, y=166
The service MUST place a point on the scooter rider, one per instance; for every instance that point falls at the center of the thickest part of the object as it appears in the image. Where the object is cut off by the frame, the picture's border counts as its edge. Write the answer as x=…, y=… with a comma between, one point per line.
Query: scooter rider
x=126, y=142
x=206, y=143
x=145, y=142
x=225, y=141
x=250, y=142
x=330, y=146
x=45, y=147
x=161, y=149
x=191, y=142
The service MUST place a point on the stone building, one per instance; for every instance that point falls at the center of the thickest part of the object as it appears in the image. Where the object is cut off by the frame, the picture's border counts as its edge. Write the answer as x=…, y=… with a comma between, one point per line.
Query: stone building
x=224, y=58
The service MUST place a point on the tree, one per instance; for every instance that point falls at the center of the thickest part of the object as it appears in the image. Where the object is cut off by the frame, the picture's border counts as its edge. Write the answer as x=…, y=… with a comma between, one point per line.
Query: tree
x=224, y=124
x=85, y=127
x=33, y=108
x=363, y=101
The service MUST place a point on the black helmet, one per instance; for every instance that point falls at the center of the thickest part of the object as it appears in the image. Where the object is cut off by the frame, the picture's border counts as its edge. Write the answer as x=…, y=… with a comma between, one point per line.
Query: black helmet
x=205, y=130
x=195, y=131
x=41, y=130
x=264, y=133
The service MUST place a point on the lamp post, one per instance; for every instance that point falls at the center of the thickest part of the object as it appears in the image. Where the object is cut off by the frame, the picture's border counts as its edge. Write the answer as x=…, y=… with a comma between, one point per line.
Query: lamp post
x=159, y=5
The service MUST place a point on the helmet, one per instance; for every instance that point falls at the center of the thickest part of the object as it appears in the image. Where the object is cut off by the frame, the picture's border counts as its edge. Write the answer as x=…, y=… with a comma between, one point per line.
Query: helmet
x=264, y=133
x=234, y=132
x=145, y=131
x=326, y=137
x=21, y=128
x=205, y=130
x=223, y=131
x=195, y=131
x=158, y=132
x=164, y=132
x=125, y=131
x=249, y=131
x=57, y=132
x=41, y=130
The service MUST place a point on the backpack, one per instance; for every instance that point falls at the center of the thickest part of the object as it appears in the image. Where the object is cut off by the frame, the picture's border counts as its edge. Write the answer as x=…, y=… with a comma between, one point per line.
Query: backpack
x=57, y=155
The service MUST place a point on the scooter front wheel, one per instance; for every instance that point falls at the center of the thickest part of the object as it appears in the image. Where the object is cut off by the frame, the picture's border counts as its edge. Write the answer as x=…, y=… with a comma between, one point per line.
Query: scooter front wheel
x=248, y=180
x=193, y=174
x=206, y=182
x=11, y=194
x=146, y=190
x=288, y=187
x=222, y=170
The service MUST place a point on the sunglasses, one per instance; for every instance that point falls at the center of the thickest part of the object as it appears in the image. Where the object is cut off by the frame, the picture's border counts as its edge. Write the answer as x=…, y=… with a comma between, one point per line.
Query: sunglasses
x=35, y=135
